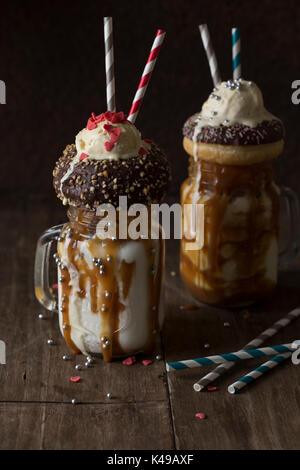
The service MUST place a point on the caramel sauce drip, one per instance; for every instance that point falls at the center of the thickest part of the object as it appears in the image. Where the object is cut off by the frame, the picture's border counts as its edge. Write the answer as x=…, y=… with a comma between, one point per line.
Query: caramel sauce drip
x=96, y=285
x=247, y=237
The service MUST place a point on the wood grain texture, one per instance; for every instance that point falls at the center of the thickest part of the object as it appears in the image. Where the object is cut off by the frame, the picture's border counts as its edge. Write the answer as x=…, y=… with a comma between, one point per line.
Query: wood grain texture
x=263, y=415
x=67, y=427
x=149, y=409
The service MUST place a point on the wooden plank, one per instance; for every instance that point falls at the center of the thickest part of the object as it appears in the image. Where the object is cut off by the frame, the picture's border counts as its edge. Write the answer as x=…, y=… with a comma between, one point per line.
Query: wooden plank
x=34, y=370
x=263, y=416
x=66, y=427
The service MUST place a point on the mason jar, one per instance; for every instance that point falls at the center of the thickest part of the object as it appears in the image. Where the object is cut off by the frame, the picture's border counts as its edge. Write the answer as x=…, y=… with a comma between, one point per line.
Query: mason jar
x=110, y=290
x=229, y=248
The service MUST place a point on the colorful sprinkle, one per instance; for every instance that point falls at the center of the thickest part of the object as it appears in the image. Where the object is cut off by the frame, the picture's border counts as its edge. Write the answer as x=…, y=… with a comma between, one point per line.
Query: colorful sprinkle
x=83, y=156
x=211, y=388
x=147, y=362
x=200, y=415
x=129, y=361
x=54, y=286
x=142, y=151
x=75, y=379
x=109, y=146
x=114, y=118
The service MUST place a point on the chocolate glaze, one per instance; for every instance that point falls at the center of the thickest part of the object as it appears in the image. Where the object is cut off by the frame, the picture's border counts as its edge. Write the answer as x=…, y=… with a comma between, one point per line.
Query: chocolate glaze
x=237, y=134
x=143, y=179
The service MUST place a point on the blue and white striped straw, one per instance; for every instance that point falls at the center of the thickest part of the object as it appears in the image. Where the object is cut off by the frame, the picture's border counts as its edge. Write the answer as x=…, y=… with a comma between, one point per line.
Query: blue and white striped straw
x=255, y=343
x=258, y=372
x=230, y=357
x=236, y=53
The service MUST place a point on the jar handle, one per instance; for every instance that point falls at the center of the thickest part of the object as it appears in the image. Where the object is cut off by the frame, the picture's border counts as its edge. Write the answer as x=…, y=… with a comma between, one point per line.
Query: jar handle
x=291, y=249
x=41, y=268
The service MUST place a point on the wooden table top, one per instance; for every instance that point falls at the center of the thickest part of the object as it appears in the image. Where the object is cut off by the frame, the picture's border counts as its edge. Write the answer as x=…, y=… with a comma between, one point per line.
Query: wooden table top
x=150, y=409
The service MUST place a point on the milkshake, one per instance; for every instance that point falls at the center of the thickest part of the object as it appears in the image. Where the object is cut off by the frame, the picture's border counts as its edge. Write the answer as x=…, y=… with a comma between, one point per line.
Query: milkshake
x=231, y=144
x=110, y=288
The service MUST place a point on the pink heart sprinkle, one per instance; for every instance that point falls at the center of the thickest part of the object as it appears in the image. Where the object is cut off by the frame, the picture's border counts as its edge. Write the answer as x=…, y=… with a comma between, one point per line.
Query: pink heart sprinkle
x=129, y=361
x=108, y=127
x=83, y=156
x=115, y=134
x=75, y=379
x=211, y=388
x=109, y=146
x=142, y=151
x=147, y=362
x=200, y=415
x=54, y=286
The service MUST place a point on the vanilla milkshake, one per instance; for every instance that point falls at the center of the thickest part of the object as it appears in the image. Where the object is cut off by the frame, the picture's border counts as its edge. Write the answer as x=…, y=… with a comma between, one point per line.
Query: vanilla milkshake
x=110, y=289
x=231, y=144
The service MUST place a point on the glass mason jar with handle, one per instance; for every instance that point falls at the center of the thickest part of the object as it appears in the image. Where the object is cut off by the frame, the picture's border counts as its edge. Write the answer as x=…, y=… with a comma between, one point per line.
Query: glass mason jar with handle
x=110, y=291
x=110, y=288
x=231, y=205
x=235, y=262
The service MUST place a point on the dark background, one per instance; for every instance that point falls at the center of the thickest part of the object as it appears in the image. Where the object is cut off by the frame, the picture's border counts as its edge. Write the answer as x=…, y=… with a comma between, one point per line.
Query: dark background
x=52, y=61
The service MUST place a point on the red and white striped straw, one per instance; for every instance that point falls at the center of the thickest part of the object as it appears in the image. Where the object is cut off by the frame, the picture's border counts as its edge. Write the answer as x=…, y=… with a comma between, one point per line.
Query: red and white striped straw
x=136, y=104
x=109, y=64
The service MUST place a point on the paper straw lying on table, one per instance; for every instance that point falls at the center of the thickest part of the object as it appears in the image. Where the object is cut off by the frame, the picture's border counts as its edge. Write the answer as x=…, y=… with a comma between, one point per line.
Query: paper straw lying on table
x=109, y=64
x=211, y=56
x=264, y=336
x=230, y=357
x=258, y=372
x=137, y=101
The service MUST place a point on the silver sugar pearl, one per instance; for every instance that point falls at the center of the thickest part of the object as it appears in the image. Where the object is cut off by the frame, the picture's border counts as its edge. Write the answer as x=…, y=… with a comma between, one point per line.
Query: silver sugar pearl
x=107, y=295
x=64, y=299
x=158, y=357
x=65, y=327
x=107, y=343
x=78, y=367
x=103, y=308
x=207, y=346
x=214, y=113
x=250, y=83
x=60, y=239
x=103, y=339
x=226, y=324
x=55, y=256
x=65, y=357
x=41, y=316
x=114, y=239
x=64, y=268
x=61, y=279
x=109, y=259
x=90, y=359
x=74, y=401
x=50, y=342
x=109, y=395
x=87, y=364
